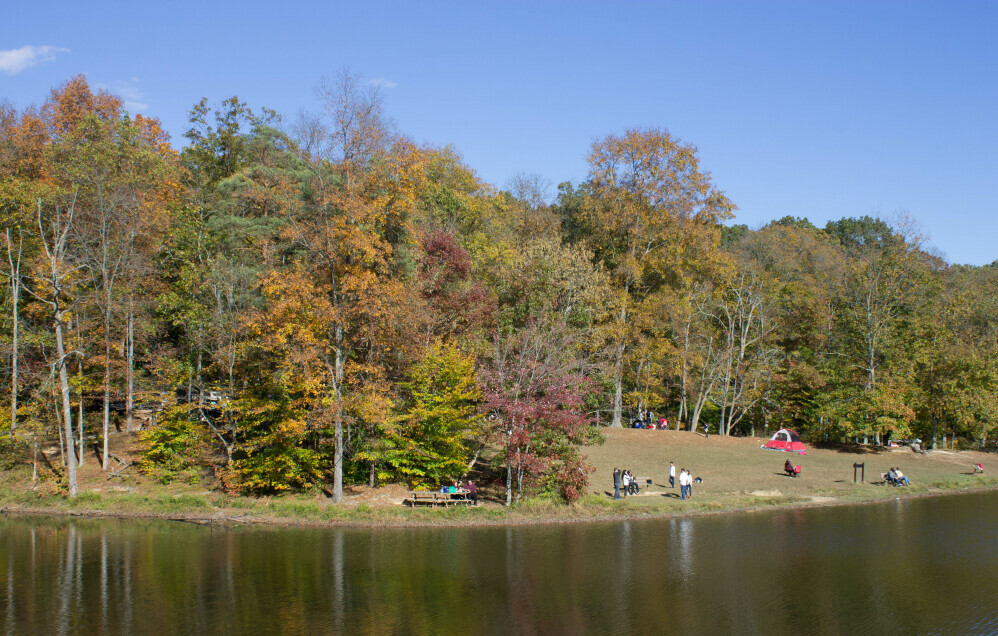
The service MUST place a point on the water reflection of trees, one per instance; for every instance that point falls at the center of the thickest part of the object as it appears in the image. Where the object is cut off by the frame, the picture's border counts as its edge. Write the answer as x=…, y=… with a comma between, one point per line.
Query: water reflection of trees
x=890, y=567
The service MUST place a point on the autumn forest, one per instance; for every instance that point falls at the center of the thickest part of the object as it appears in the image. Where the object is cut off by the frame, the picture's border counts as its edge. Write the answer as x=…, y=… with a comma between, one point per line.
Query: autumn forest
x=296, y=303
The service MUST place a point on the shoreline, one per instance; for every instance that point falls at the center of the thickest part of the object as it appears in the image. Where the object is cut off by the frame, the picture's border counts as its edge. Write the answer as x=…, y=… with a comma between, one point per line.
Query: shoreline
x=737, y=477
x=444, y=518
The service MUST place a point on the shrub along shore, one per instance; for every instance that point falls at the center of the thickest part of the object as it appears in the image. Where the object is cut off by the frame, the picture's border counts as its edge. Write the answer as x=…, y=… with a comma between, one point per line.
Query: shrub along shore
x=737, y=476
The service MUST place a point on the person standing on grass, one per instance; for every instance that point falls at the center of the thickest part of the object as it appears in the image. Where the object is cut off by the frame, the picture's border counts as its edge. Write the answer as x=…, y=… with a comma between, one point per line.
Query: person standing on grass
x=672, y=475
x=616, y=483
x=682, y=483
x=706, y=432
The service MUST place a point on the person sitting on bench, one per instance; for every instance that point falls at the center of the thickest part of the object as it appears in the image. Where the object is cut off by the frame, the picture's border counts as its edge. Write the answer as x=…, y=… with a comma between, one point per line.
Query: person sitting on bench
x=472, y=492
x=899, y=478
x=632, y=484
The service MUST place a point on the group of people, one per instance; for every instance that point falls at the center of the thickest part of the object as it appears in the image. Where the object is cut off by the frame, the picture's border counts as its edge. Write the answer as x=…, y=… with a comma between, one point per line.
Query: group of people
x=895, y=477
x=624, y=481
x=685, y=481
x=649, y=422
x=468, y=489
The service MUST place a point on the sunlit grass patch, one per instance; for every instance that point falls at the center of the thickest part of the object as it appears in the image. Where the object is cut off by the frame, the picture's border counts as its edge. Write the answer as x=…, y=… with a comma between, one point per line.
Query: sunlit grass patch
x=86, y=499
x=180, y=503
x=293, y=508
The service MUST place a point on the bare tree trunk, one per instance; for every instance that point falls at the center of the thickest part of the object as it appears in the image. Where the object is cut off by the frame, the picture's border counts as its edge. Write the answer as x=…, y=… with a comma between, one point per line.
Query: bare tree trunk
x=79, y=406
x=107, y=391
x=66, y=405
x=618, y=366
x=79, y=383
x=618, y=393
x=935, y=431
x=683, y=412
x=130, y=377
x=509, y=483
x=200, y=385
x=15, y=293
x=338, y=420
x=721, y=426
x=56, y=255
x=58, y=422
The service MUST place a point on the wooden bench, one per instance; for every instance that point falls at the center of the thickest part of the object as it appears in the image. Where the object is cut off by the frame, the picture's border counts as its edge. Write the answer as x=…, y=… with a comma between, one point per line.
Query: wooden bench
x=642, y=483
x=437, y=498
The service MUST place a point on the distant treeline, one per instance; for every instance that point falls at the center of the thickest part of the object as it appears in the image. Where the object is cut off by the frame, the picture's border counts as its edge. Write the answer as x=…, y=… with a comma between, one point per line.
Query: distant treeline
x=299, y=304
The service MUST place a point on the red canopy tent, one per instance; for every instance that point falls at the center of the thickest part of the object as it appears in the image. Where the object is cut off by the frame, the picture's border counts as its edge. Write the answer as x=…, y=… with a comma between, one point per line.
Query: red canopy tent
x=785, y=440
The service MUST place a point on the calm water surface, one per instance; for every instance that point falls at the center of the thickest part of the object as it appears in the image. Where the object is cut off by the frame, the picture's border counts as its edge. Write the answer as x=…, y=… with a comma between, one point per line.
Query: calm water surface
x=921, y=566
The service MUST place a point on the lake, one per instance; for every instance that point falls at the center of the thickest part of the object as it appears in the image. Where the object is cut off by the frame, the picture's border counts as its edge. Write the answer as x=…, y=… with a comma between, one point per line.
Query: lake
x=907, y=566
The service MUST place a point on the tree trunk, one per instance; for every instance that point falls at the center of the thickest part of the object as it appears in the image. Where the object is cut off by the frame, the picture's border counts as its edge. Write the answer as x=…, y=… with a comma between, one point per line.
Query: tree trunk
x=509, y=483
x=58, y=423
x=61, y=223
x=683, y=411
x=130, y=377
x=79, y=407
x=79, y=387
x=107, y=392
x=15, y=292
x=67, y=407
x=618, y=393
x=198, y=372
x=338, y=419
x=618, y=366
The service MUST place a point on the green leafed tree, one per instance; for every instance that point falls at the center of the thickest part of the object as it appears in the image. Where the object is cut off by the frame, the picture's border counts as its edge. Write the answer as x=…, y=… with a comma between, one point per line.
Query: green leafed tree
x=650, y=217
x=436, y=438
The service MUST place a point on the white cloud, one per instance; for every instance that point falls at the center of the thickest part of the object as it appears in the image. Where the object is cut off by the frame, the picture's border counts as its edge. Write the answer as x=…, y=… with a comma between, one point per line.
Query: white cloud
x=381, y=82
x=16, y=60
x=128, y=91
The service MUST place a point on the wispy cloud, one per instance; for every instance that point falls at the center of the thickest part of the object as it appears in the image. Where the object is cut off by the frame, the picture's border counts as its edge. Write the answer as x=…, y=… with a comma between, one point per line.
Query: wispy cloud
x=14, y=61
x=381, y=82
x=129, y=91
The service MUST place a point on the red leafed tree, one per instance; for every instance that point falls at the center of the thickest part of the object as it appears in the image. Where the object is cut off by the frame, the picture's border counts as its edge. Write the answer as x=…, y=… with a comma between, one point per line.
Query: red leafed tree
x=533, y=390
x=457, y=305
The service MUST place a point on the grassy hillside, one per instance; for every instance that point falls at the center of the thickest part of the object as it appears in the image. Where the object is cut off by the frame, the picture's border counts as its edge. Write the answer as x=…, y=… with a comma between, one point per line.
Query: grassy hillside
x=736, y=473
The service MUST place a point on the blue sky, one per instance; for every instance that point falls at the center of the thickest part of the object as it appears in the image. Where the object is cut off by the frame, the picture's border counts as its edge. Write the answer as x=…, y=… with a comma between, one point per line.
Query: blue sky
x=816, y=109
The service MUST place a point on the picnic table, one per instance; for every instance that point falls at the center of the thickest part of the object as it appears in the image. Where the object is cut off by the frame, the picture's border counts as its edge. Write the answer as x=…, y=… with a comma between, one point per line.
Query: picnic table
x=437, y=498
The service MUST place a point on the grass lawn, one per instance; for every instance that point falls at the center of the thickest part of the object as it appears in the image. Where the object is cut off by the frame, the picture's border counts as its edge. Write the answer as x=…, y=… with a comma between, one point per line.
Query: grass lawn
x=737, y=473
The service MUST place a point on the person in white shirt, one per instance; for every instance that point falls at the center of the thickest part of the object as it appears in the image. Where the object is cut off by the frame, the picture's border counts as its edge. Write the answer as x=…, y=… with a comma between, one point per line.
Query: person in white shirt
x=672, y=475
x=684, y=483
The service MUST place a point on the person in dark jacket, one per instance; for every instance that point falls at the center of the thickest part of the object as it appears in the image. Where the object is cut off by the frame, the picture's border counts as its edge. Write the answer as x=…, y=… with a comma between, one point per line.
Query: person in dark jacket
x=616, y=483
x=472, y=492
